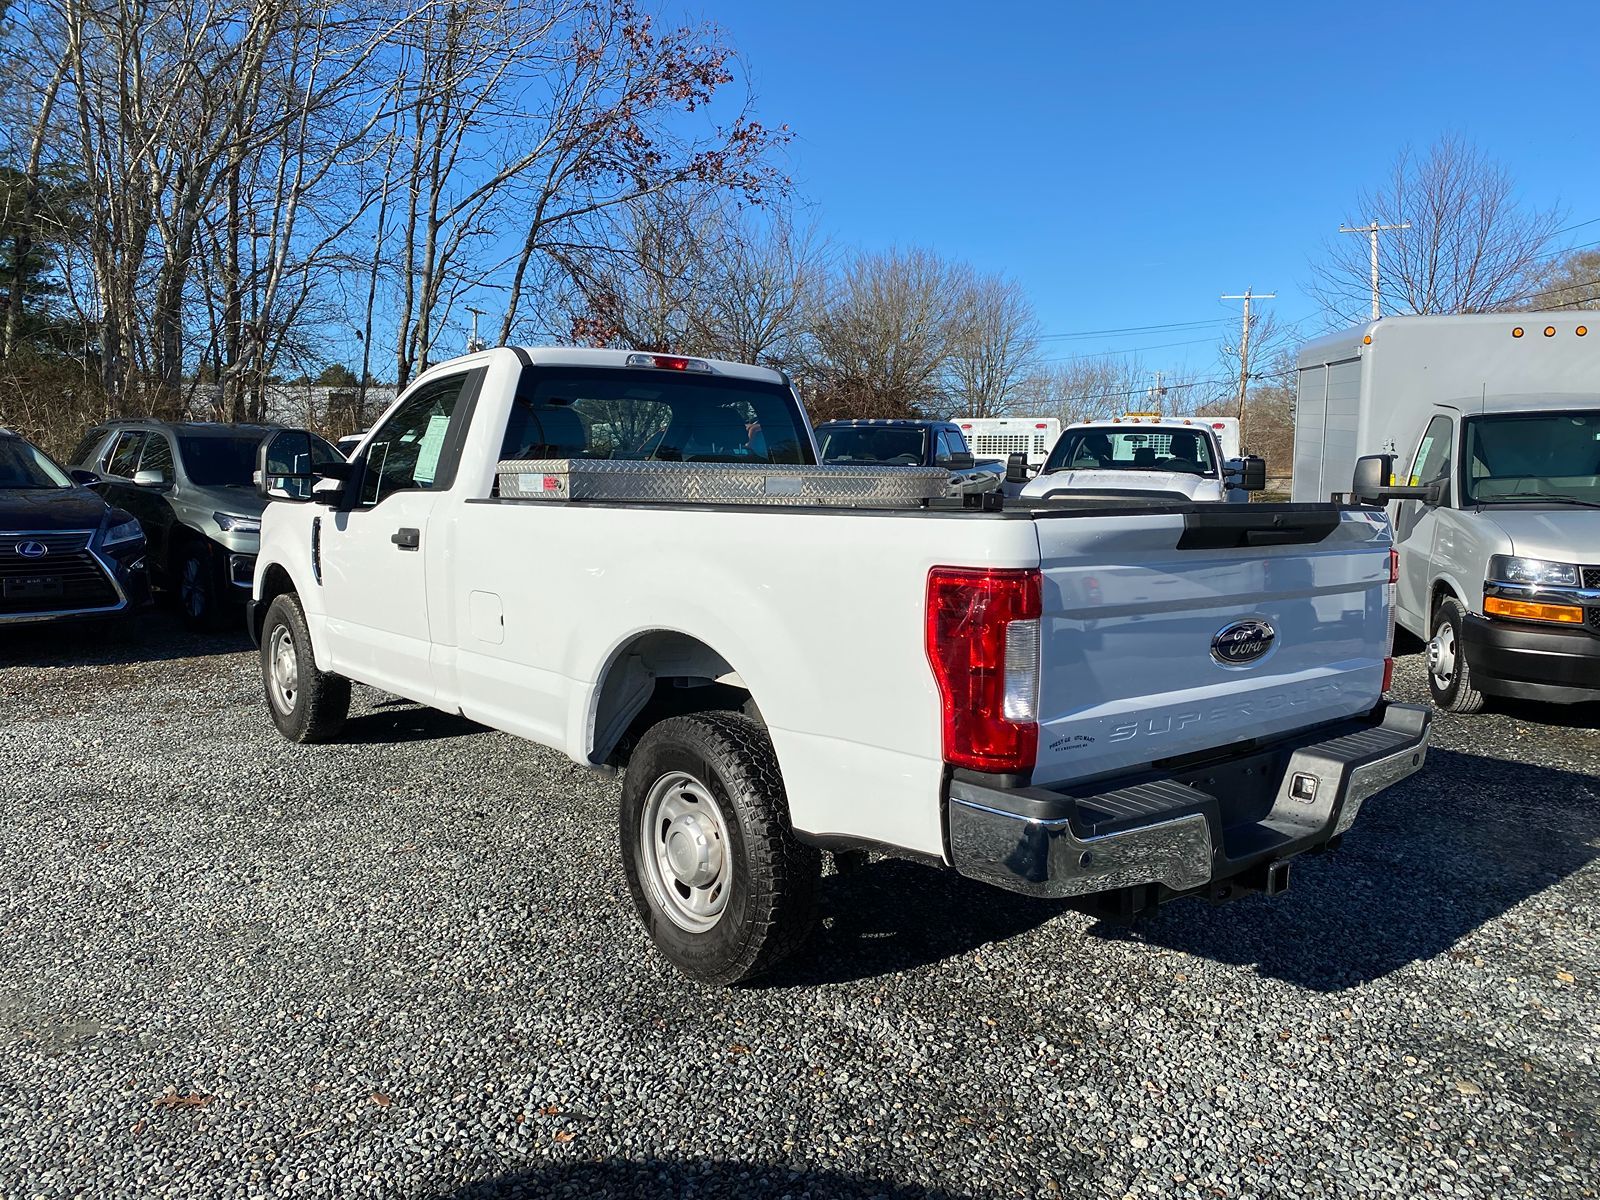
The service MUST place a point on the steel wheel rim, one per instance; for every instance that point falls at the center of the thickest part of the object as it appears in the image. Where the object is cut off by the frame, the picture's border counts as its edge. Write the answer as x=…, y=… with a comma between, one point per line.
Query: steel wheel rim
x=1442, y=655
x=283, y=670
x=683, y=848
x=190, y=590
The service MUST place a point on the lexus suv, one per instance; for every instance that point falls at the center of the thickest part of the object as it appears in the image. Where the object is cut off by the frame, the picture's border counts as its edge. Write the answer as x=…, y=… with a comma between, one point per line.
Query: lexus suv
x=65, y=553
x=190, y=484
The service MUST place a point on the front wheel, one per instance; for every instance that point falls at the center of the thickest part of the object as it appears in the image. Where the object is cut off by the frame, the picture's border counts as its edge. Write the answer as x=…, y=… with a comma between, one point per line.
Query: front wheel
x=307, y=704
x=723, y=887
x=1449, y=673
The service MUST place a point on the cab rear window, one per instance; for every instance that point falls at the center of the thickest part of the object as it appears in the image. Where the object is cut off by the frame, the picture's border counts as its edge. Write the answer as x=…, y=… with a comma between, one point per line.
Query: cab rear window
x=571, y=412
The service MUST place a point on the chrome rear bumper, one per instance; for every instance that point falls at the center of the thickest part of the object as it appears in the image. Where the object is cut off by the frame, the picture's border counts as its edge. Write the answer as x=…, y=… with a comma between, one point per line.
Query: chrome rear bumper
x=1184, y=830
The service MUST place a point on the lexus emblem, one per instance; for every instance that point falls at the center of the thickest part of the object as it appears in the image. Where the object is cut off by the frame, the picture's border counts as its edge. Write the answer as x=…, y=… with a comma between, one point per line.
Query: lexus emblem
x=32, y=549
x=1242, y=643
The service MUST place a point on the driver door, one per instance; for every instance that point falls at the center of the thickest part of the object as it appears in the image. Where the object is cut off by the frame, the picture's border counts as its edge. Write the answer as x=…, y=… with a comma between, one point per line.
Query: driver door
x=1416, y=524
x=374, y=549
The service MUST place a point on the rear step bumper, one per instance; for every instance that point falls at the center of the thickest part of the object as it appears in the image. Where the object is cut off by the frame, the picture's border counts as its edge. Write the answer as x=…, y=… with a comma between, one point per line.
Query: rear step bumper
x=1237, y=817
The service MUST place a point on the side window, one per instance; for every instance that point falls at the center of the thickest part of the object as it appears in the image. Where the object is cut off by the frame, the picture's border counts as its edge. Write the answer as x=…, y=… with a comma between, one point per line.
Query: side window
x=125, y=458
x=941, y=447
x=157, y=456
x=1433, y=456
x=403, y=454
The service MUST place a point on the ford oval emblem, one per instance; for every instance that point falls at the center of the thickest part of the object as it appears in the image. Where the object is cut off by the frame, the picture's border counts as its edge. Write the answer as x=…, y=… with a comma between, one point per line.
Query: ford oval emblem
x=1242, y=643
x=32, y=549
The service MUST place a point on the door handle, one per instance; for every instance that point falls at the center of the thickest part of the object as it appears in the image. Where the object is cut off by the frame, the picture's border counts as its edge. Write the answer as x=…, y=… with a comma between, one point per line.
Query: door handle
x=406, y=539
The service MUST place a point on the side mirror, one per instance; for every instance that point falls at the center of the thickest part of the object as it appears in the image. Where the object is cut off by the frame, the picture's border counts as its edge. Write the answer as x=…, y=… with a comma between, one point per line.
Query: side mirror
x=1372, y=483
x=1016, y=468
x=1248, y=474
x=150, y=479
x=959, y=462
x=287, y=469
x=84, y=478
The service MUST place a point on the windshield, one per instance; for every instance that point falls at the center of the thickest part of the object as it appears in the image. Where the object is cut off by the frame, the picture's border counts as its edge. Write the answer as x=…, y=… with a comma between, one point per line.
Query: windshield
x=577, y=412
x=212, y=460
x=1133, y=450
x=898, y=445
x=1533, y=456
x=24, y=467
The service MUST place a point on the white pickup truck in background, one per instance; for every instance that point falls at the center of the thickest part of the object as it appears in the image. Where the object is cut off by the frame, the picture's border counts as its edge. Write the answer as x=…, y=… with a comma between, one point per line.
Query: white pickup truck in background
x=1149, y=459
x=633, y=558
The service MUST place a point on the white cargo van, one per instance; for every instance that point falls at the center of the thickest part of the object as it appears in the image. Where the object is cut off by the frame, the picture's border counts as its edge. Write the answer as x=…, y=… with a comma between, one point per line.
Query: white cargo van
x=1491, y=428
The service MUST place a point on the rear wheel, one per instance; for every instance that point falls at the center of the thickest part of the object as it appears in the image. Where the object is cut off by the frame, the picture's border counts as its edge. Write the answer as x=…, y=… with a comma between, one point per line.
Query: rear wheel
x=307, y=705
x=1449, y=673
x=718, y=879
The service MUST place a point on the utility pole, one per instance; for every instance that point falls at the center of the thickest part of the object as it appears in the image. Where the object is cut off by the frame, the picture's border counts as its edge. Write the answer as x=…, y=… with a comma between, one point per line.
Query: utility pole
x=1248, y=295
x=1372, y=231
x=473, y=344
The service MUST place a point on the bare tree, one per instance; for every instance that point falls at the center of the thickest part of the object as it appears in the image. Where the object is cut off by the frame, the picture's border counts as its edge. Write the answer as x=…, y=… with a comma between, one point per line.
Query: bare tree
x=885, y=340
x=1085, y=389
x=1472, y=245
x=1571, y=280
x=995, y=344
x=762, y=288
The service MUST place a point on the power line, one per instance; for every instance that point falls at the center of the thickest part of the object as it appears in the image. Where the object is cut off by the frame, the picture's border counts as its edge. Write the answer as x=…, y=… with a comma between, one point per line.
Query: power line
x=1170, y=327
x=1579, y=225
x=1129, y=350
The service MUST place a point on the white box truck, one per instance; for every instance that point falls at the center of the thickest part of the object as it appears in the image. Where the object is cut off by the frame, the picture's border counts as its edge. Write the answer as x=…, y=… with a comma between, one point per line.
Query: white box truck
x=1489, y=430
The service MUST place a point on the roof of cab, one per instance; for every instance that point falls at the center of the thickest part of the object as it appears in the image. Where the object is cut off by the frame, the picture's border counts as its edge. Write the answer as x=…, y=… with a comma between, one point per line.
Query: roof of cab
x=579, y=356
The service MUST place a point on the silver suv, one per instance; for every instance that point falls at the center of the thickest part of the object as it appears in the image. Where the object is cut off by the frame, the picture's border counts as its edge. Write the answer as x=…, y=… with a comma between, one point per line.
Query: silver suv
x=190, y=484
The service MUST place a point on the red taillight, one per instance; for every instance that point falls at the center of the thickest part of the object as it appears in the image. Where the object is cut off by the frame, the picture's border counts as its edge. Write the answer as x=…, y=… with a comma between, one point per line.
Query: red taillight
x=1394, y=565
x=1388, y=673
x=983, y=645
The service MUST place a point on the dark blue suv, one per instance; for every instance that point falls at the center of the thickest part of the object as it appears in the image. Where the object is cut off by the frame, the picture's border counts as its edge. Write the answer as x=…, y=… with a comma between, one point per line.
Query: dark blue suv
x=65, y=554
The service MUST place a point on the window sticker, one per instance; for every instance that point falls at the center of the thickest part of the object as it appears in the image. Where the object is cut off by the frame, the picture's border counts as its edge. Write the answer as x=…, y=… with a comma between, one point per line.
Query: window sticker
x=428, y=449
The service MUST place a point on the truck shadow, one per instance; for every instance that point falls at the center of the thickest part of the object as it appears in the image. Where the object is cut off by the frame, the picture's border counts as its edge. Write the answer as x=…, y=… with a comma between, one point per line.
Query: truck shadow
x=893, y=915
x=619, y=1179
x=1429, y=862
x=393, y=721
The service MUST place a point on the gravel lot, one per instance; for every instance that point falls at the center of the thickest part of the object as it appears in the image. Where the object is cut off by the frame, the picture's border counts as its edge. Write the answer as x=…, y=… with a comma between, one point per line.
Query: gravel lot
x=405, y=965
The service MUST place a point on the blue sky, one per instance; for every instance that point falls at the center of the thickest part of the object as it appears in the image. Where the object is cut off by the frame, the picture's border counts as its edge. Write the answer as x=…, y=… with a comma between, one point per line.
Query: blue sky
x=1130, y=162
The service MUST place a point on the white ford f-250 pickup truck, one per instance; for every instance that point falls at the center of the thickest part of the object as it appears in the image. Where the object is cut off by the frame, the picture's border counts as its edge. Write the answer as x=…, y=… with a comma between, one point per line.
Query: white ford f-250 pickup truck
x=635, y=559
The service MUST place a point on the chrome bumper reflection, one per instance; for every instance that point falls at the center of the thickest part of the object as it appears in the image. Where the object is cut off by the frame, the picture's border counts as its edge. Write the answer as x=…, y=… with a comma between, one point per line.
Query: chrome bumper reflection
x=1045, y=858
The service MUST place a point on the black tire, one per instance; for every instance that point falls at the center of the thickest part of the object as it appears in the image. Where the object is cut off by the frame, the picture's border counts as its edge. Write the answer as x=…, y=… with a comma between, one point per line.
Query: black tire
x=769, y=888
x=315, y=708
x=1449, y=672
x=194, y=585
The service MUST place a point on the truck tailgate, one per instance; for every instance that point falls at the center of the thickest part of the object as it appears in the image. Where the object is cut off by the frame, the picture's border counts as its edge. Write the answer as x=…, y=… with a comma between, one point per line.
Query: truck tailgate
x=1150, y=622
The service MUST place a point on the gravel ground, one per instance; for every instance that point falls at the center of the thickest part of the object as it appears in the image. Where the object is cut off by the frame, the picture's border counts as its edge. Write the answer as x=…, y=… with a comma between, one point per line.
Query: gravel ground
x=405, y=966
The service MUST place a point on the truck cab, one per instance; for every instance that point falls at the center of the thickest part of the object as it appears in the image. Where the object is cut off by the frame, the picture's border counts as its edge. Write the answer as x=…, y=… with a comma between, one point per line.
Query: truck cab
x=1141, y=458
x=1488, y=431
x=909, y=443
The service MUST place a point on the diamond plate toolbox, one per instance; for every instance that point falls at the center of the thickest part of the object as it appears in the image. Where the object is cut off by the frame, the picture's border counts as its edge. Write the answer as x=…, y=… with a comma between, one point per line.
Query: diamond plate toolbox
x=720, y=483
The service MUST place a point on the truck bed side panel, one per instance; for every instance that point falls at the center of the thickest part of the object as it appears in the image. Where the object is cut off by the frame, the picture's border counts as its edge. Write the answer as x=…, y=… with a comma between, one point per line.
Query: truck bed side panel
x=820, y=615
